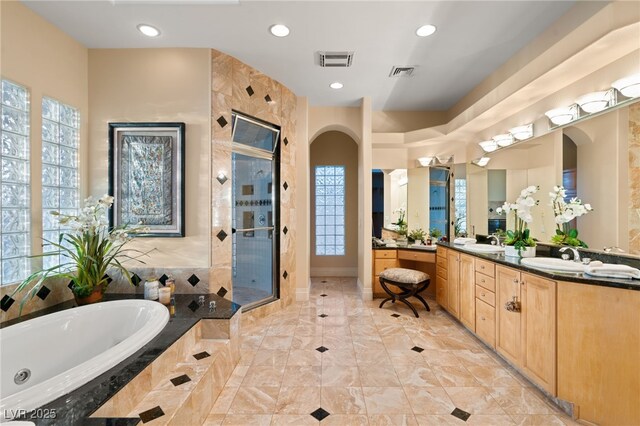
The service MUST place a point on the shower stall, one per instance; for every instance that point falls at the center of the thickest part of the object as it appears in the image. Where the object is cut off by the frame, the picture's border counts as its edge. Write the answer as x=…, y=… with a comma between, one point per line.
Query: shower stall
x=255, y=205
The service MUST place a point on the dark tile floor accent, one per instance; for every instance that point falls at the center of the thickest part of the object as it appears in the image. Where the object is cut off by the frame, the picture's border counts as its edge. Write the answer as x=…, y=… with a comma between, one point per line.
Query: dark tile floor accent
x=417, y=349
x=152, y=414
x=461, y=414
x=180, y=380
x=320, y=414
x=322, y=349
x=395, y=315
x=202, y=355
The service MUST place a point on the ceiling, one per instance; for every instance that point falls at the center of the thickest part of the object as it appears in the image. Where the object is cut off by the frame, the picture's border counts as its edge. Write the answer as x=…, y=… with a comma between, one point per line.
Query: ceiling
x=473, y=39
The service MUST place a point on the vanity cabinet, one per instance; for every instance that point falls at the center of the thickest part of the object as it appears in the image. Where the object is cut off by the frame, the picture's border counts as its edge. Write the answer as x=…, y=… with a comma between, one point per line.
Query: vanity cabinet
x=467, y=291
x=485, y=301
x=526, y=324
x=382, y=260
x=453, y=283
x=441, y=277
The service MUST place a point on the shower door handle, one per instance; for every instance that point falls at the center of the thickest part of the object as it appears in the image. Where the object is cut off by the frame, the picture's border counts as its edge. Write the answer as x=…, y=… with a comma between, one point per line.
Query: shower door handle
x=264, y=228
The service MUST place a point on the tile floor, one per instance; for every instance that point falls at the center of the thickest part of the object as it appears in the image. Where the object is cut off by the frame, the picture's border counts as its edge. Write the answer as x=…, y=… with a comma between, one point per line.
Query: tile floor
x=359, y=365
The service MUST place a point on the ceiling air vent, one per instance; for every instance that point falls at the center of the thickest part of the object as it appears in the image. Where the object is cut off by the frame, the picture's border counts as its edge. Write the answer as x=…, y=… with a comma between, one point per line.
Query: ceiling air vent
x=335, y=59
x=401, y=71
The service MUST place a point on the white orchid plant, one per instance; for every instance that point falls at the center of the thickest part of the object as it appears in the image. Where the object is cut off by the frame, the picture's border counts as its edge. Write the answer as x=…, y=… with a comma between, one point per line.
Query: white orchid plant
x=520, y=237
x=564, y=213
x=88, y=249
x=401, y=223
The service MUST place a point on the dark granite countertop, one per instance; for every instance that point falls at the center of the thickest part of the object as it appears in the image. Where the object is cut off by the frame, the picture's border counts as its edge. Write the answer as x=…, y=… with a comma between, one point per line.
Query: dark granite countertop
x=431, y=248
x=549, y=251
x=75, y=407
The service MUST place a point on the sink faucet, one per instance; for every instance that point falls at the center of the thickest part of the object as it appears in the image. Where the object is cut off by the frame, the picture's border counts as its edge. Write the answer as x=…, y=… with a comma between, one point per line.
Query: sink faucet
x=494, y=239
x=576, y=253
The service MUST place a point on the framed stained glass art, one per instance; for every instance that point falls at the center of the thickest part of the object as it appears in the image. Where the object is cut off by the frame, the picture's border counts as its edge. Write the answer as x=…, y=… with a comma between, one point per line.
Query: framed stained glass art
x=146, y=176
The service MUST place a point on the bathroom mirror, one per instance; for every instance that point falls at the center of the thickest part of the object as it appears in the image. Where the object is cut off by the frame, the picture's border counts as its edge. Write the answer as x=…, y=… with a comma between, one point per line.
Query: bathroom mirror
x=597, y=160
x=389, y=198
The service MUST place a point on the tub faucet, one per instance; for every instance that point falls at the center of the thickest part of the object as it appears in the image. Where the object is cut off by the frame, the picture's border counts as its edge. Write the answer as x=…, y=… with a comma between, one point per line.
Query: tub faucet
x=494, y=239
x=576, y=253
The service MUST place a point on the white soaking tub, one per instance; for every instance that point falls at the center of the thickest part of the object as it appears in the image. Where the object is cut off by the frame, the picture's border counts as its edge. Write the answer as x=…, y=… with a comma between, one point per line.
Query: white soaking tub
x=60, y=352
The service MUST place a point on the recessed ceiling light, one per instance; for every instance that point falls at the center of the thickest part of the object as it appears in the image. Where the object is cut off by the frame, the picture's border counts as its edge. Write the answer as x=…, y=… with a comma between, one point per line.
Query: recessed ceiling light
x=425, y=30
x=336, y=85
x=148, y=30
x=279, y=30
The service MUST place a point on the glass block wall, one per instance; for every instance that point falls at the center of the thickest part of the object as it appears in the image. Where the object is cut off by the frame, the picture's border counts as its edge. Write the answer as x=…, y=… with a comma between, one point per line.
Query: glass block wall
x=15, y=200
x=330, y=215
x=60, y=191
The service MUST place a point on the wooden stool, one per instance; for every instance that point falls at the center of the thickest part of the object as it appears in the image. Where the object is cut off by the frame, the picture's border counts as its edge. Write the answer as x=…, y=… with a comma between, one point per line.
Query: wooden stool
x=410, y=283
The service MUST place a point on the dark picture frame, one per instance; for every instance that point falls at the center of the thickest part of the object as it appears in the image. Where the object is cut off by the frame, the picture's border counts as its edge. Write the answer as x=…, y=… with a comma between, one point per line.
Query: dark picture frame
x=146, y=176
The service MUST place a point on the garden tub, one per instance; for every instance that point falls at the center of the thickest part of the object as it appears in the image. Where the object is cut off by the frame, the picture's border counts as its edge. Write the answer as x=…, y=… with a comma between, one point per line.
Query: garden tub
x=49, y=356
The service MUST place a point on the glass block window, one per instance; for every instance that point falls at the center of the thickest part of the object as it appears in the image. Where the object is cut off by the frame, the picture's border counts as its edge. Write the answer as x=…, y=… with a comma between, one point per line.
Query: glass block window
x=15, y=203
x=460, y=201
x=60, y=192
x=329, y=197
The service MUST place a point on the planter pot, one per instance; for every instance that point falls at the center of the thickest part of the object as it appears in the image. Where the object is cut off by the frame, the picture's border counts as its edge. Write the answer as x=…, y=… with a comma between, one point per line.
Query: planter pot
x=94, y=297
x=511, y=251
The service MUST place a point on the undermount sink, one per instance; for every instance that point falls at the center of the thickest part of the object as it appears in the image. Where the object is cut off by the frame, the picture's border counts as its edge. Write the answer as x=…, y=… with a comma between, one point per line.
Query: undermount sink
x=552, y=264
x=483, y=248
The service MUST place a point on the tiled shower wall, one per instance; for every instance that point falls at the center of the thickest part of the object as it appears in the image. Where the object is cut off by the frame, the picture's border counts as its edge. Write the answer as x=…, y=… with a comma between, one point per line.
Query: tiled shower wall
x=634, y=178
x=238, y=87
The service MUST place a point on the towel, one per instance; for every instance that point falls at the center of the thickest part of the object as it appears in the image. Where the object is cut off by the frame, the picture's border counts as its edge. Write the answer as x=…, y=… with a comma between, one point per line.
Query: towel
x=462, y=241
x=610, y=270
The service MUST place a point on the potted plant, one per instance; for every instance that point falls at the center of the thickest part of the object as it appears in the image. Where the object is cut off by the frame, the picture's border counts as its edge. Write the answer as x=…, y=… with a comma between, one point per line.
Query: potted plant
x=417, y=235
x=401, y=223
x=518, y=242
x=458, y=230
x=564, y=214
x=435, y=233
x=89, y=249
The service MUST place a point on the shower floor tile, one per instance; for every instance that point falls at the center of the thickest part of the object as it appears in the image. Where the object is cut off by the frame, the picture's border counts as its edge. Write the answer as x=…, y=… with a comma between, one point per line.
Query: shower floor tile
x=371, y=373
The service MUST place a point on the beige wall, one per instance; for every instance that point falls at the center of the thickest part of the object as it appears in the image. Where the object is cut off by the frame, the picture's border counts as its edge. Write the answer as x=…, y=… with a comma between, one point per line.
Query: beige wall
x=336, y=148
x=49, y=63
x=405, y=121
x=155, y=85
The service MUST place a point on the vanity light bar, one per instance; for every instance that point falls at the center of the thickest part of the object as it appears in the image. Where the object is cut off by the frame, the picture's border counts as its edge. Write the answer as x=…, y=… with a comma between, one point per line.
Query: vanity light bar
x=595, y=102
x=482, y=161
x=515, y=135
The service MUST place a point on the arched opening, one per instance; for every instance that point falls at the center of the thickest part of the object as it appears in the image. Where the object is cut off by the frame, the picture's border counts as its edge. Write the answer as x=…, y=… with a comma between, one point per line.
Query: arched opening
x=333, y=160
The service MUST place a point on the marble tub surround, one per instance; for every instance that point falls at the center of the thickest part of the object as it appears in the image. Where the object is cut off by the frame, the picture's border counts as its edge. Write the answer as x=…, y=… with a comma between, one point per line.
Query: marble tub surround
x=360, y=365
x=53, y=292
x=188, y=281
x=236, y=86
x=77, y=406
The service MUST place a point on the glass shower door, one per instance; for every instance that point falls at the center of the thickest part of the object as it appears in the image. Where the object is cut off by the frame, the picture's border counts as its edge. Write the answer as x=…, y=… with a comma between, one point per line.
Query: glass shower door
x=254, y=170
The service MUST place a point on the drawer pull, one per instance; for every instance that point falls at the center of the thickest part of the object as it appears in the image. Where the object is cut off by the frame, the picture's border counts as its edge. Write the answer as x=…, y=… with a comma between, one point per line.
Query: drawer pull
x=481, y=266
x=482, y=294
x=482, y=318
x=482, y=280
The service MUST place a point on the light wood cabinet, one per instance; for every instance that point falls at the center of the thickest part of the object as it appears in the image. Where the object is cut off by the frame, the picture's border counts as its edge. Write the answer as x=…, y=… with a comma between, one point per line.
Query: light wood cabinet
x=599, y=352
x=508, y=331
x=527, y=336
x=382, y=260
x=453, y=283
x=486, y=322
x=539, y=330
x=441, y=277
x=466, y=279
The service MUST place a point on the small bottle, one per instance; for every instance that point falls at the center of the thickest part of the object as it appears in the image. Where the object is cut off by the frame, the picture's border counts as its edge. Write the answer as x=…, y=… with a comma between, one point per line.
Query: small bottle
x=164, y=295
x=171, y=283
x=172, y=306
x=151, y=290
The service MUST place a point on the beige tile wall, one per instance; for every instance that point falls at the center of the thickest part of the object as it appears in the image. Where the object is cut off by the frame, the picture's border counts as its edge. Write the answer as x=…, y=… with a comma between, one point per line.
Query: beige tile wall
x=229, y=82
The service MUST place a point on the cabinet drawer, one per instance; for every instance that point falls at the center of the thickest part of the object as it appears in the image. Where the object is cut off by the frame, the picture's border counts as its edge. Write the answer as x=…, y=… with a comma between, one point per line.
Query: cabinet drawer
x=485, y=267
x=441, y=272
x=441, y=259
x=384, y=264
x=486, y=296
x=485, y=281
x=486, y=322
x=386, y=254
x=416, y=256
